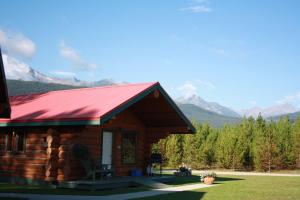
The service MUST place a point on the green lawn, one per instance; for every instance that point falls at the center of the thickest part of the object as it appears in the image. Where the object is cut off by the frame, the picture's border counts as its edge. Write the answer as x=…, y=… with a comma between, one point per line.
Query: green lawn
x=12, y=188
x=240, y=188
x=226, y=188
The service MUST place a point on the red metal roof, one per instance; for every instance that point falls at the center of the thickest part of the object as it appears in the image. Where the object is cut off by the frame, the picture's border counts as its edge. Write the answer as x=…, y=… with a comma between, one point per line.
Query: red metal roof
x=73, y=105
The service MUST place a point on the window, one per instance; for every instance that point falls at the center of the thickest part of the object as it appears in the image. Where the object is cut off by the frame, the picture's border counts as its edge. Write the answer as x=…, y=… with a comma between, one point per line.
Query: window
x=15, y=141
x=20, y=141
x=8, y=142
x=128, y=151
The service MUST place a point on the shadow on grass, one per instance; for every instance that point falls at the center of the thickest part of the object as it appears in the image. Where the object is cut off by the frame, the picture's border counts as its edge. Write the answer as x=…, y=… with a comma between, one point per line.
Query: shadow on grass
x=190, y=195
x=28, y=189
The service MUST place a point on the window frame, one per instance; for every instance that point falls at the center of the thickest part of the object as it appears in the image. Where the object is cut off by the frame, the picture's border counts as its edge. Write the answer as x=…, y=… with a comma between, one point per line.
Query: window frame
x=9, y=140
x=135, y=133
x=12, y=138
x=17, y=142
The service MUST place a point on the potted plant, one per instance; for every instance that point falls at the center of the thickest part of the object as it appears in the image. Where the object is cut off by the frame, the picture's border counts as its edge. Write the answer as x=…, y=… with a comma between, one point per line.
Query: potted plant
x=208, y=177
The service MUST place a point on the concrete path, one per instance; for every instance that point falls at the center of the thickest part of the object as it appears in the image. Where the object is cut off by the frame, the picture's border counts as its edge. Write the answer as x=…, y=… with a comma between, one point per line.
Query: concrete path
x=110, y=197
x=151, y=183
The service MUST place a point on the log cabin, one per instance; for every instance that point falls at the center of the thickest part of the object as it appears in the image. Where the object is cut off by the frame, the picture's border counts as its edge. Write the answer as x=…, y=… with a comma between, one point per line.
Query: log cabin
x=117, y=123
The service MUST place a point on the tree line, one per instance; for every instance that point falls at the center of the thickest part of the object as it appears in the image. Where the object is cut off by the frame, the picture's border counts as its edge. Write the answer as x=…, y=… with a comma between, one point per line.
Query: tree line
x=252, y=144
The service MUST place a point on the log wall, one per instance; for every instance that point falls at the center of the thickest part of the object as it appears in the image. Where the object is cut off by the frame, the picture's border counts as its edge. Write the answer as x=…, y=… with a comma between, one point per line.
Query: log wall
x=28, y=164
x=47, y=155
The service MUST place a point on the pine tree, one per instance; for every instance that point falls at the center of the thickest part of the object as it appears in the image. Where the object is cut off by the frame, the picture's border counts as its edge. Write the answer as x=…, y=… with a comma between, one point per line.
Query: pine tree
x=296, y=134
x=174, y=151
x=286, y=143
x=266, y=154
x=226, y=147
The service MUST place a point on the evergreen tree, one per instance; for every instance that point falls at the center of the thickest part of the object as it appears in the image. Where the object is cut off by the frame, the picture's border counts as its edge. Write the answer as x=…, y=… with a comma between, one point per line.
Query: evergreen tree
x=286, y=143
x=225, y=150
x=265, y=150
x=296, y=134
x=174, y=151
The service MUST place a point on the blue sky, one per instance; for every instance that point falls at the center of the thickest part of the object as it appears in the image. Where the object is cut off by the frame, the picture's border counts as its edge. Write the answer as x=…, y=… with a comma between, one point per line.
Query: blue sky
x=238, y=53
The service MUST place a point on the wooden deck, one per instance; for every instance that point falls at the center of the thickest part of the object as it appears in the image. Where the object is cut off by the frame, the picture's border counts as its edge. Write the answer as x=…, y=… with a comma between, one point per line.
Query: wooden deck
x=118, y=182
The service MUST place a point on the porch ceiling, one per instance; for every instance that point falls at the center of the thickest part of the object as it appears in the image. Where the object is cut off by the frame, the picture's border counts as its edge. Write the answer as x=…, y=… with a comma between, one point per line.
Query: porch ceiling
x=156, y=111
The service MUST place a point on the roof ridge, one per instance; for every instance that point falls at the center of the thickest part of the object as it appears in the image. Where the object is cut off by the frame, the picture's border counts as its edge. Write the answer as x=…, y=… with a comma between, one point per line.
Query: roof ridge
x=87, y=88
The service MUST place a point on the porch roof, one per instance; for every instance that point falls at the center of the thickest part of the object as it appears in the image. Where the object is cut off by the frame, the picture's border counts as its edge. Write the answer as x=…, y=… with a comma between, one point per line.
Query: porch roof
x=85, y=106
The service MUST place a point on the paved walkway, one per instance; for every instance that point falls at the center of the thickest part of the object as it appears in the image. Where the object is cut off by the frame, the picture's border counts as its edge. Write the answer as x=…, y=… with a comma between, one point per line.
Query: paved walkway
x=110, y=197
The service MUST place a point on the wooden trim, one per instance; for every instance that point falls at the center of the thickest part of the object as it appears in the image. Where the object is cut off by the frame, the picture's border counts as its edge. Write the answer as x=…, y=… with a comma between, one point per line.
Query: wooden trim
x=51, y=123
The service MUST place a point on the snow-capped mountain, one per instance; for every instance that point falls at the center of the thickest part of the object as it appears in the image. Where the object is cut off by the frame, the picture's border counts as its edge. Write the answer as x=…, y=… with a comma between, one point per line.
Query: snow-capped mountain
x=17, y=70
x=276, y=110
x=210, y=106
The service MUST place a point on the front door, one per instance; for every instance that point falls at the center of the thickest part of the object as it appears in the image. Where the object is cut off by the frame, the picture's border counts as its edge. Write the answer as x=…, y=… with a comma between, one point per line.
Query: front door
x=107, y=148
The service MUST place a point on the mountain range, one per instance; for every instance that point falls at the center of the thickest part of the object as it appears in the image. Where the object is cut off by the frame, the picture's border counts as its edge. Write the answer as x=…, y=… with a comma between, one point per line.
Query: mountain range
x=18, y=70
x=209, y=106
x=23, y=79
x=276, y=110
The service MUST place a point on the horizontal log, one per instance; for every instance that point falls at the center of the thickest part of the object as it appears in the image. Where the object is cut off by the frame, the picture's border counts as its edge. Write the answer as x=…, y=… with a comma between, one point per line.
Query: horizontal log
x=30, y=147
x=26, y=162
x=69, y=135
x=23, y=167
x=41, y=177
x=52, y=151
x=34, y=140
x=40, y=173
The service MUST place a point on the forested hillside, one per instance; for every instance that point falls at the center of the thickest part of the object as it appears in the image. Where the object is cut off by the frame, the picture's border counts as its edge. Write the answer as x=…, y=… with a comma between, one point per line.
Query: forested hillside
x=249, y=145
x=292, y=116
x=200, y=115
x=16, y=87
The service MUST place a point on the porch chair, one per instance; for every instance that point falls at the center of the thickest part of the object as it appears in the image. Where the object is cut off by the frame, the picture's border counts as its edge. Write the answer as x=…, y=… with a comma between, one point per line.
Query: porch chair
x=156, y=158
x=105, y=170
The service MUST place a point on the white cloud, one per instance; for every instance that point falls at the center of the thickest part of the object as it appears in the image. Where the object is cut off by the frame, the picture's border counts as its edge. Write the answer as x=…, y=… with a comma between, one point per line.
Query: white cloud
x=292, y=99
x=188, y=90
x=15, y=69
x=197, y=9
x=63, y=73
x=16, y=44
x=198, y=6
x=74, y=58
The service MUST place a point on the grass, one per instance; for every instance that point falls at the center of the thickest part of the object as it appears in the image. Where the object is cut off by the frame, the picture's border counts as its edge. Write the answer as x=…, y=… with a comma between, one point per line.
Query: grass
x=227, y=187
x=239, y=188
x=27, y=189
